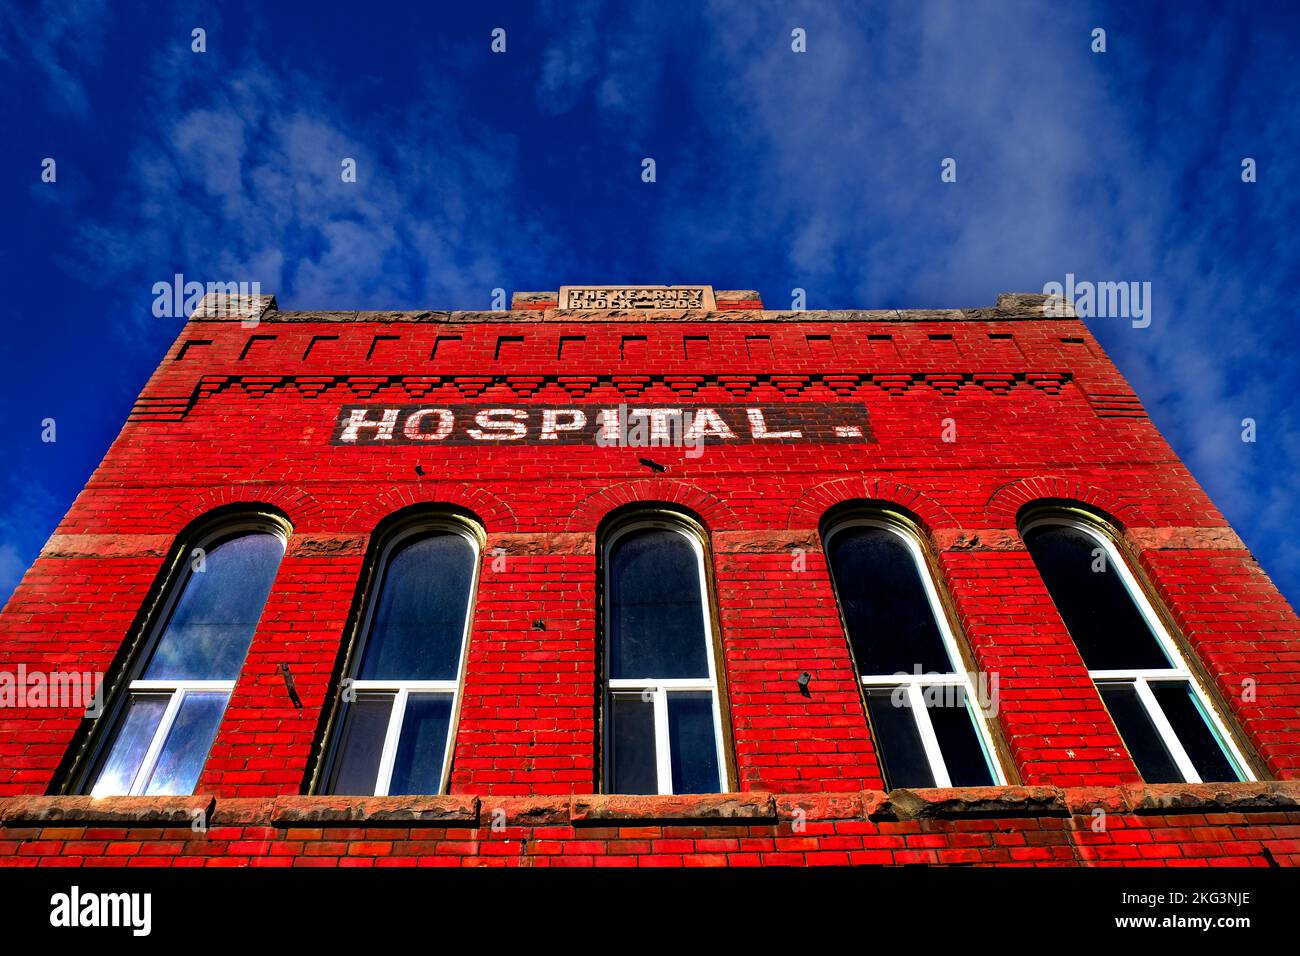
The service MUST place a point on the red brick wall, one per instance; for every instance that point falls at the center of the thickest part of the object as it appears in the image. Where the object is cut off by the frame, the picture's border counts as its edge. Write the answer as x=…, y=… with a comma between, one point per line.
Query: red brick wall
x=244, y=415
x=1243, y=825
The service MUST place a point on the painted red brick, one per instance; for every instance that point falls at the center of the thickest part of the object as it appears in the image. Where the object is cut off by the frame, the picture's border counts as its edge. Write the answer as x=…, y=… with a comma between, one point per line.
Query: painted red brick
x=244, y=415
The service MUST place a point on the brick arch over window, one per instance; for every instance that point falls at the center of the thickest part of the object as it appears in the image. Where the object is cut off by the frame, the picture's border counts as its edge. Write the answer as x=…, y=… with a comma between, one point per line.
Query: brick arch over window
x=296, y=504
x=809, y=510
x=713, y=512
x=1003, y=507
x=493, y=514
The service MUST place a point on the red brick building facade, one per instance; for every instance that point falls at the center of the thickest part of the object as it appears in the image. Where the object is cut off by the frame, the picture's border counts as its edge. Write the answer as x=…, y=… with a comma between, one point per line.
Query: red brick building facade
x=960, y=424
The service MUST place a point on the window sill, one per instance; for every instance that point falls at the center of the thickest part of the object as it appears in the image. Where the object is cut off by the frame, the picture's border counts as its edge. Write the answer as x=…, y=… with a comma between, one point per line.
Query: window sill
x=731, y=807
x=421, y=811
x=19, y=811
x=586, y=810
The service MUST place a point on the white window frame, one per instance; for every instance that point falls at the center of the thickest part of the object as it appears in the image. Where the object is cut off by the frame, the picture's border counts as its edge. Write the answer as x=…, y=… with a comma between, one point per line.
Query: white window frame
x=176, y=688
x=401, y=690
x=1141, y=678
x=655, y=689
x=156, y=688
x=917, y=683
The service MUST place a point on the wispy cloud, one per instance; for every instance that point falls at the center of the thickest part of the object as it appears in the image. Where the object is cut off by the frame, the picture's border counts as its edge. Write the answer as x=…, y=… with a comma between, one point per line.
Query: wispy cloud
x=47, y=40
x=244, y=183
x=1118, y=166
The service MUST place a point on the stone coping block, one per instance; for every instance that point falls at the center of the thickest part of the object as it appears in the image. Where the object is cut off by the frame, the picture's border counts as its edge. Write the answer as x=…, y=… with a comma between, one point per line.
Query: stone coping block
x=546, y=315
x=540, y=307
x=532, y=300
x=740, y=809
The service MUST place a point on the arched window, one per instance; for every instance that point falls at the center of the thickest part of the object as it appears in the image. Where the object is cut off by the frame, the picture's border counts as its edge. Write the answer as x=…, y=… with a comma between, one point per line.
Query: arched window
x=663, y=718
x=1159, y=709
x=927, y=721
x=164, y=725
x=394, y=733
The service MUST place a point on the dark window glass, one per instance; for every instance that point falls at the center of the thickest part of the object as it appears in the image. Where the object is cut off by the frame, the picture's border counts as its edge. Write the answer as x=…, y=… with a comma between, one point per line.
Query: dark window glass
x=632, y=738
x=1107, y=627
x=1201, y=743
x=1140, y=737
x=959, y=742
x=692, y=746
x=418, y=625
x=188, y=741
x=890, y=621
x=898, y=742
x=656, y=621
x=417, y=768
x=361, y=744
x=139, y=724
x=212, y=623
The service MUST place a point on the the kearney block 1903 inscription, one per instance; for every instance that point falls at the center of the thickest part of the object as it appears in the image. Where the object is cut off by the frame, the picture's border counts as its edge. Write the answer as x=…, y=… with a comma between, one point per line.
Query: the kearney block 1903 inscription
x=615, y=426
x=618, y=297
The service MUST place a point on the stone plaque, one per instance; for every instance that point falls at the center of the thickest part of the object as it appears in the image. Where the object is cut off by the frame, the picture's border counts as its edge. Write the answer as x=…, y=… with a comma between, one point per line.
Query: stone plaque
x=627, y=297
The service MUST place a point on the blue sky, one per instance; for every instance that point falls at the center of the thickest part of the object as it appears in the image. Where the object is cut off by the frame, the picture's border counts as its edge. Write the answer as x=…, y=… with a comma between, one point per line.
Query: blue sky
x=775, y=170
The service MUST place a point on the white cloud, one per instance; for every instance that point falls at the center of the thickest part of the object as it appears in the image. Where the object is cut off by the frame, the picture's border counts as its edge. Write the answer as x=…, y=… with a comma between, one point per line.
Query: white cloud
x=1067, y=162
x=244, y=184
x=41, y=43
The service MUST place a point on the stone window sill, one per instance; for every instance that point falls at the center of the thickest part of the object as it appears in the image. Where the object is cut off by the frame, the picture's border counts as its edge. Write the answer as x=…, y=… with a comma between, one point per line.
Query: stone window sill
x=739, y=809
